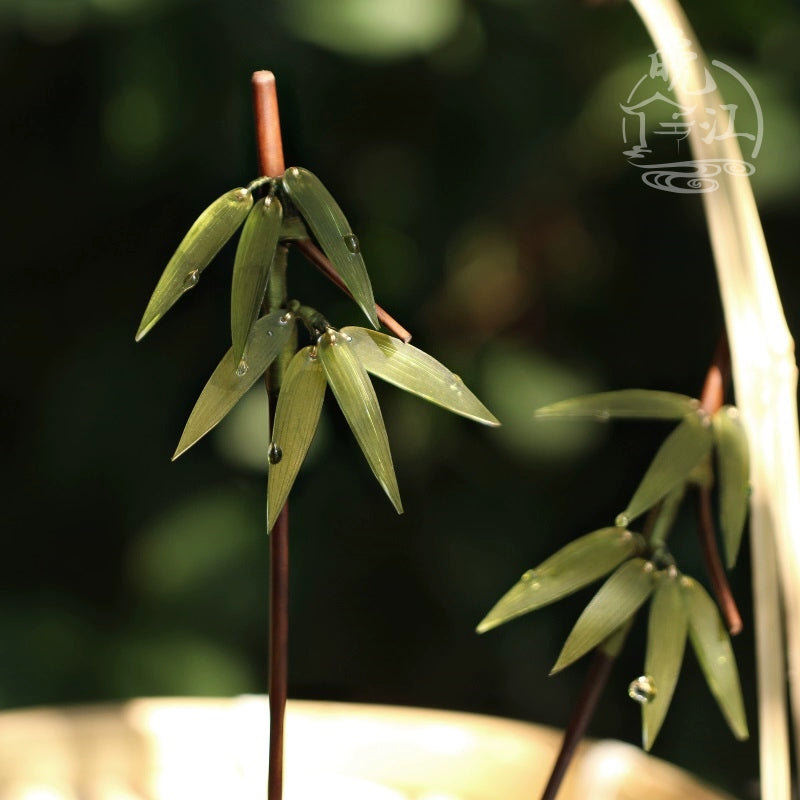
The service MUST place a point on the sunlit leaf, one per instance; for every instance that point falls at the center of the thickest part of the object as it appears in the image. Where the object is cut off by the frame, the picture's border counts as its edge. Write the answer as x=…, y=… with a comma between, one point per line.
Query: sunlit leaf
x=675, y=459
x=579, y=563
x=296, y=419
x=230, y=382
x=251, y=268
x=329, y=225
x=733, y=460
x=618, y=598
x=356, y=397
x=411, y=369
x=714, y=652
x=626, y=403
x=666, y=640
x=203, y=241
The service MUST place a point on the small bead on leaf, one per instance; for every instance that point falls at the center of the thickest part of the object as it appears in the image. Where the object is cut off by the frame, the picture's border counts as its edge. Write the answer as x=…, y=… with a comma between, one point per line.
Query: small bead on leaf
x=203, y=241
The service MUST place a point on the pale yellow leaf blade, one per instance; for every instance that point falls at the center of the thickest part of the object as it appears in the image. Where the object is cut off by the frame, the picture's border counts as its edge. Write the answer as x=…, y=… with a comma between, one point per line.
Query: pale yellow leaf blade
x=617, y=600
x=229, y=381
x=580, y=563
x=203, y=241
x=356, y=397
x=413, y=370
x=296, y=419
x=251, y=268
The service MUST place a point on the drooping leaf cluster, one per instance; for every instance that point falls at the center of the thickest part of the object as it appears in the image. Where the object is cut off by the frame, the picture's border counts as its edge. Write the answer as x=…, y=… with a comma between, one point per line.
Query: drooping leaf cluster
x=641, y=566
x=274, y=213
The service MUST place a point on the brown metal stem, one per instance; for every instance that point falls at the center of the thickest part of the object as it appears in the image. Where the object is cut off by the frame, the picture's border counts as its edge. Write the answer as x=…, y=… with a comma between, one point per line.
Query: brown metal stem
x=716, y=572
x=593, y=685
x=711, y=400
x=320, y=261
x=268, y=124
x=270, y=159
x=278, y=648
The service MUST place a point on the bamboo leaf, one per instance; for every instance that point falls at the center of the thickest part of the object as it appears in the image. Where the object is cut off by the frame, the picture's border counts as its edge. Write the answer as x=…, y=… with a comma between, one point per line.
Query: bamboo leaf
x=617, y=600
x=229, y=382
x=356, y=397
x=626, y=403
x=733, y=460
x=329, y=225
x=203, y=241
x=675, y=459
x=411, y=369
x=578, y=564
x=714, y=652
x=251, y=268
x=666, y=641
x=296, y=418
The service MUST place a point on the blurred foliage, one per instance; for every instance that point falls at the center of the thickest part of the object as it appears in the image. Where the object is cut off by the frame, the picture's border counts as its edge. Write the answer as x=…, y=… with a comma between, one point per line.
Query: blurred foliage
x=476, y=150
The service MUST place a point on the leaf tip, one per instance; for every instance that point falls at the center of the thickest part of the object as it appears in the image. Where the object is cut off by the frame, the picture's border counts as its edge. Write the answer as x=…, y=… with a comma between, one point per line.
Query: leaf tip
x=486, y=624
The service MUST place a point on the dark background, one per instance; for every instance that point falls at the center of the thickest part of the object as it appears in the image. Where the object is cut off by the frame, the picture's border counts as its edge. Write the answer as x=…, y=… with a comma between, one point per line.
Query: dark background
x=476, y=148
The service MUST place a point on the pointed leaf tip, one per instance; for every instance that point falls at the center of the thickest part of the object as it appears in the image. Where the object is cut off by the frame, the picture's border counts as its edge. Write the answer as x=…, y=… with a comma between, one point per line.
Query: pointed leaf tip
x=681, y=451
x=733, y=462
x=203, y=241
x=413, y=370
x=296, y=419
x=666, y=641
x=580, y=563
x=251, y=268
x=356, y=397
x=712, y=646
x=332, y=230
x=617, y=600
x=231, y=380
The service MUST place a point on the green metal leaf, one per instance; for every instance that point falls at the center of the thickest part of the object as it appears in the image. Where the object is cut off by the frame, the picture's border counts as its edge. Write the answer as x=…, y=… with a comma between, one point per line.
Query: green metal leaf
x=626, y=403
x=329, y=225
x=251, y=268
x=733, y=461
x=666, y=641
x=411, y=369
x=296, y=419
x=203, y=241
x=229, y=381
x=580, y=563
x=675, y=459
x=356, y=397
x=714, y=652
x=618, y=599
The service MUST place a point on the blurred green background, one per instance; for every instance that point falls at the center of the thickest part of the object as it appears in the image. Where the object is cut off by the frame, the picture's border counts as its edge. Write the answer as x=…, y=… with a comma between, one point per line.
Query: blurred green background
x=475, y=146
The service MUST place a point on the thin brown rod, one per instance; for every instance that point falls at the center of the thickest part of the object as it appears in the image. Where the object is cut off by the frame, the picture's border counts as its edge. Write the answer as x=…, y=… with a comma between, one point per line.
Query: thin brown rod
x=593, y=685
x=268, y=124
x=270, y=159
x=717, y=378
x=711, y=400
x=278, y=649
x=320, y=261
x=716, y=572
